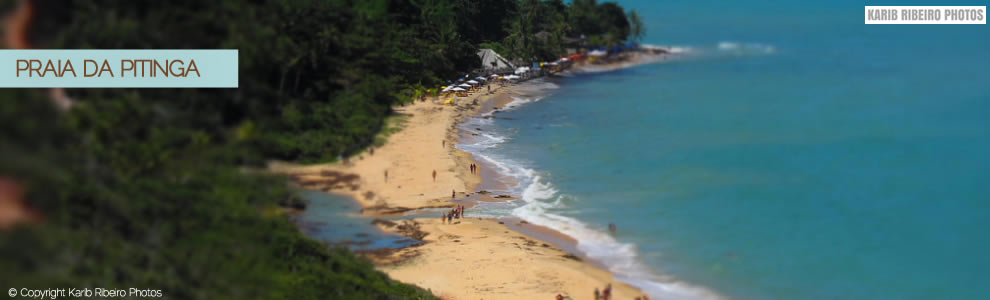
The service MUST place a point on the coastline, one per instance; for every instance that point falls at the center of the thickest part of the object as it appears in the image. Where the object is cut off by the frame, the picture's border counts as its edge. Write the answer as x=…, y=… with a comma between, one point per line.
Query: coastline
x=479, y=257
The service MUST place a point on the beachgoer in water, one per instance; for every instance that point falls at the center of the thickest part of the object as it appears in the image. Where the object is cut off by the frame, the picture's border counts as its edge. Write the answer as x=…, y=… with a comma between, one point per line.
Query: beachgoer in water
x=611, y=227
x=450, y=218
x=434, y=175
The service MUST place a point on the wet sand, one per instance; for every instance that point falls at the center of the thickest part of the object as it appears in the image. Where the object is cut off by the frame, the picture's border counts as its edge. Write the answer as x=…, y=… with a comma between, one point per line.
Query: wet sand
x=473, y=258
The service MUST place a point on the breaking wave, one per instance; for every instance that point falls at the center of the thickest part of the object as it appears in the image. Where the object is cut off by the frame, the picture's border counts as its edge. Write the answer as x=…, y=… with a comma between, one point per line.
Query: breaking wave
x=539, y=202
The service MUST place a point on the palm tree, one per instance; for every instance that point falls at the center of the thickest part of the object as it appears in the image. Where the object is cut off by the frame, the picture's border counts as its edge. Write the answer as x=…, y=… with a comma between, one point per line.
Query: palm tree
x=636, y=28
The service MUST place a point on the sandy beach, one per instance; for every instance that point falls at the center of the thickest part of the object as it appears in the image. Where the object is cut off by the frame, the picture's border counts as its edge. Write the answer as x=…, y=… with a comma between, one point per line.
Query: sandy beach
x=473, y=258
x=483, y=259
x=424, y=144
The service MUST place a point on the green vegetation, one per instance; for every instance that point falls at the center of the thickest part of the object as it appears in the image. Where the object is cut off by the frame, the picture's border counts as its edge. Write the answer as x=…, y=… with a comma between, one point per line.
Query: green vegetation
x=152, y=188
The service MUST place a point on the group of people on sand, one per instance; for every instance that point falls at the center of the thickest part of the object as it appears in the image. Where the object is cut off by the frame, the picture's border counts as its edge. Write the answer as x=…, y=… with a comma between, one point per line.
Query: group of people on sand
x=606, y=294
x=456, y=213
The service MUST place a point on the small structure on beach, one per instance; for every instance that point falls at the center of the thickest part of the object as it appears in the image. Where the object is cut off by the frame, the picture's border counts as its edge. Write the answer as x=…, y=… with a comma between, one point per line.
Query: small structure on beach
x=491, y=61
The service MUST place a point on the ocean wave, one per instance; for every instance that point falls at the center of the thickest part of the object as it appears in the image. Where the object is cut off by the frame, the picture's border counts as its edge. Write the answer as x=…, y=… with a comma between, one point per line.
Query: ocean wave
x=540, y=197
x=745, y=48
x=519, y=101
x=540, y=203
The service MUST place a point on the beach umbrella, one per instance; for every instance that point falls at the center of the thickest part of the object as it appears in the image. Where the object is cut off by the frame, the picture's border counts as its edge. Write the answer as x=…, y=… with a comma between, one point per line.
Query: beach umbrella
x=494, y=75
x=458, y=90
x=472, y=82
x=448, y=88
x=465, y=85
x=480, y=78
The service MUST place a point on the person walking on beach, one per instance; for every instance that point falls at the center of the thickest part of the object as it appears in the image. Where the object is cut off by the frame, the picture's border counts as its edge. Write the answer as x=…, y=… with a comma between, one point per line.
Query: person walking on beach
x=443, y=218
x=443, y=144
x=452, y=194
x=607, y=293
x=386, y=176
x=598, y=295
x=450, y=218
x=434, y=175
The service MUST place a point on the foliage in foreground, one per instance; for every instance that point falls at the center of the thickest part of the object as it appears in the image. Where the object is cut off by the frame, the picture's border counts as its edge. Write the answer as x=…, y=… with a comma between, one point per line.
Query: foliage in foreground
x=148, y=188
x=117, y=214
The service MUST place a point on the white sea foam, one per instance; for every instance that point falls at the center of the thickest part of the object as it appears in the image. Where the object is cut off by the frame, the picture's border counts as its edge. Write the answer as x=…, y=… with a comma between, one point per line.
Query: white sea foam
x=519, y=101
x=540, y=203
x=745, y=48
x=541, y=199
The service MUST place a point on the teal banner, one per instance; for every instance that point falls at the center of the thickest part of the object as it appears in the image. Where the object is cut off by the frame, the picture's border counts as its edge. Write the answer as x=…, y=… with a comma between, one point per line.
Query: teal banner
x=118, y=68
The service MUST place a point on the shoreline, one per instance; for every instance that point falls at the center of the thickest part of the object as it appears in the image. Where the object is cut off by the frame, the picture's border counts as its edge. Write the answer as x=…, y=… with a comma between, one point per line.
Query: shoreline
x=410, y=150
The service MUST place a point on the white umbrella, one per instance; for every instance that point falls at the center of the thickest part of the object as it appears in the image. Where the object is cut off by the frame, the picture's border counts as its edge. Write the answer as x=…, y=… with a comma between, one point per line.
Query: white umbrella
x=494, y=75
x=512, y=77
x=448, y=88
x=472, y=82
x=458, y=90
x=597, y=53
x=465, y=85
x=480, y=78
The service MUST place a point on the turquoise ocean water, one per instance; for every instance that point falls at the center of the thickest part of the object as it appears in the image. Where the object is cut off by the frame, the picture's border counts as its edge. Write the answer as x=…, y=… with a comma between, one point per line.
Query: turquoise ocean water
x=791, y=152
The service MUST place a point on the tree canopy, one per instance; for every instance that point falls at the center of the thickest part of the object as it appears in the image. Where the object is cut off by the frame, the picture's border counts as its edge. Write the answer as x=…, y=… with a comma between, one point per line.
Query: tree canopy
x=152, y=187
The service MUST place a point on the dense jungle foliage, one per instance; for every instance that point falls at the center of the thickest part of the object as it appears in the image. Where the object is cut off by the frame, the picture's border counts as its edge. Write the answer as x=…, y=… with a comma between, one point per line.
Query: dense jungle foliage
x=154, y=188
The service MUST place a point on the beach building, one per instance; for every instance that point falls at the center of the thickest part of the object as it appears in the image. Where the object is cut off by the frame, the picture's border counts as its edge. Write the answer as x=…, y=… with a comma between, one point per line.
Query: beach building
x=491, y=62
